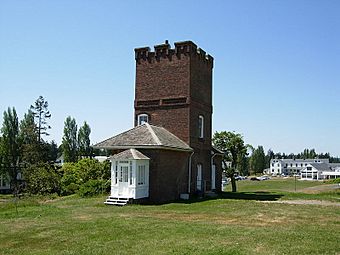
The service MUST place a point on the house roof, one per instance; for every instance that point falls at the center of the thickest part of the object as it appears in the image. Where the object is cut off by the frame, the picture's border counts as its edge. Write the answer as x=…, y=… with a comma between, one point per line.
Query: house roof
x=129, y=154
x=145, y=136
x=321, y=166
x=217, y=151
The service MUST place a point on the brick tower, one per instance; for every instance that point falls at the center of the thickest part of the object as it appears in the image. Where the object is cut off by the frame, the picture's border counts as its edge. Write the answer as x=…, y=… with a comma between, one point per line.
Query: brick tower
x=174, y=90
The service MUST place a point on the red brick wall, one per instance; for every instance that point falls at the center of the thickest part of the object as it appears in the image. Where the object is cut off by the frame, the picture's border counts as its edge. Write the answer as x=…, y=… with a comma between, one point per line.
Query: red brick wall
x=186, y=73
x=168, y=176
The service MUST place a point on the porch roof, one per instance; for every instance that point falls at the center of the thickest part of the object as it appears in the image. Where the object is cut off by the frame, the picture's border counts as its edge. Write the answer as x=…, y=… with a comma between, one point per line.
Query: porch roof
x=145, y=136
x=129, y=154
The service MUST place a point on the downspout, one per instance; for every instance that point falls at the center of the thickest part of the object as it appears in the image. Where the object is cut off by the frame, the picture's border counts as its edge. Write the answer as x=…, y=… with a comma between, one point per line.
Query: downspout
x=189, y=173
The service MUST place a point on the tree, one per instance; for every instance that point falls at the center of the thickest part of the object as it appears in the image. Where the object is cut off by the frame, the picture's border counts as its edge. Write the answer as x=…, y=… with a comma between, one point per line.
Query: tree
x=270, y=155
x=11, y=147
x=233, y=146
x=84, y=148
x=258, y=160
x=31, y=152
x=41, y=114
x=69, y=142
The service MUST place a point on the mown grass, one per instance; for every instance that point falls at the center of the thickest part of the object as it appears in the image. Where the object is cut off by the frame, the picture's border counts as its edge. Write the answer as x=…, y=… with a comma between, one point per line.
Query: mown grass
x=242, y=223
x=285, y=189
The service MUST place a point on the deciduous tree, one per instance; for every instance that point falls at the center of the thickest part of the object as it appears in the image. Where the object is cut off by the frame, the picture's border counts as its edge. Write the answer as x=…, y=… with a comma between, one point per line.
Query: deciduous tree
x=69, y=142
x=233, y=145
x=84, y=148
x=11, y=147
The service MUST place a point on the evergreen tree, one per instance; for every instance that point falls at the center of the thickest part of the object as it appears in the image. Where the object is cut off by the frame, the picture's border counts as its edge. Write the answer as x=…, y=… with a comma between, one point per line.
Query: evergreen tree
x=84, y=140
x=69, y=142
x=41, y=114
x=31, y=152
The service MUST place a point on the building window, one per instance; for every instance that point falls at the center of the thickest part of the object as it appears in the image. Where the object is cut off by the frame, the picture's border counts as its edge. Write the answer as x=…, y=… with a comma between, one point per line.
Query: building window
x=141, y=175
x=199, y=177
x=143, y=118
x=131, y=173
x=201, y=126
x=116, y=173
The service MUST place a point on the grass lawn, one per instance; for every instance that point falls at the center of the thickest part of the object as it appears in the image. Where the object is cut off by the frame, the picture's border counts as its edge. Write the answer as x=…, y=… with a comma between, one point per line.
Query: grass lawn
x=226, y=225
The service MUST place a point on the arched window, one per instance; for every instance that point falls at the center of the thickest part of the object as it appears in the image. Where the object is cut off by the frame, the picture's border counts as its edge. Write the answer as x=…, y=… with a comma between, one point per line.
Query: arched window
x=200, y=126
x=143, y=118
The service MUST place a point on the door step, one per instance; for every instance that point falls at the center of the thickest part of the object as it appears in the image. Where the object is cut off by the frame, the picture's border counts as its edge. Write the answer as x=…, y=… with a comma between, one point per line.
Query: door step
x=117, y=201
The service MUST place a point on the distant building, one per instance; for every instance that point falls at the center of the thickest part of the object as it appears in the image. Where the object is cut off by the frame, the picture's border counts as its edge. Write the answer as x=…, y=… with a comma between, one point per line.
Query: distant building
x=291, y=166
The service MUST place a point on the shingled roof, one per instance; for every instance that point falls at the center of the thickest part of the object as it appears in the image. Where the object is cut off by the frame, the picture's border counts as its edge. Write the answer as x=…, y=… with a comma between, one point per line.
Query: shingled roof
x=145, y=136
x=129, y=154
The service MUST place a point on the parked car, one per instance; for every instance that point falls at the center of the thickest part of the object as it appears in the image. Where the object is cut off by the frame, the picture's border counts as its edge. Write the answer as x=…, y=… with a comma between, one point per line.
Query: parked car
x=264, y=177
x=240, y=178
x=254, y=179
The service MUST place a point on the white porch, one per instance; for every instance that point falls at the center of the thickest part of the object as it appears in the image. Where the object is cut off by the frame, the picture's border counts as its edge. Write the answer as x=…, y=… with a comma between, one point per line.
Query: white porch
x=129, y=177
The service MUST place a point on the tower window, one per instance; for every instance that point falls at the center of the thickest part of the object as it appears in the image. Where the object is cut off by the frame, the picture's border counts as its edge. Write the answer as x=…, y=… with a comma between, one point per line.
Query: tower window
x=143, y=118
x=200, y=126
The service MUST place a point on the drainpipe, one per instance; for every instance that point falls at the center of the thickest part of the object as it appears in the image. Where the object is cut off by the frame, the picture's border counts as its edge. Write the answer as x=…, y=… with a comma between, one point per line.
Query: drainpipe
x=189, y=170
x=212, y=159
x=212, y=163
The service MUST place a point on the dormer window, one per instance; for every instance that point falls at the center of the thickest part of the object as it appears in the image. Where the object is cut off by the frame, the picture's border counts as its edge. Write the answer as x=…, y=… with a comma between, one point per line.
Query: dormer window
x=143, y=118
x=200, y=126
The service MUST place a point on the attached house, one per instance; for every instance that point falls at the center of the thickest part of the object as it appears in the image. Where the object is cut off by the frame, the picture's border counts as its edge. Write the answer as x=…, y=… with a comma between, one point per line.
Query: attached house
x=168, y=154
x=315, y=171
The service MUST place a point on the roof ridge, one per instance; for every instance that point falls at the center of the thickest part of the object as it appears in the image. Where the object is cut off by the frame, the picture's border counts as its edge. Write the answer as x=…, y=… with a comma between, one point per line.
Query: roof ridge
x=136, y=127
x=153, y=134
x=133, y=152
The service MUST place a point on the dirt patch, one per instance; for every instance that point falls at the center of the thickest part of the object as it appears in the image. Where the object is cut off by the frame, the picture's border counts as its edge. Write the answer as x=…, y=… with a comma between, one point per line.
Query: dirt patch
x=303, y=202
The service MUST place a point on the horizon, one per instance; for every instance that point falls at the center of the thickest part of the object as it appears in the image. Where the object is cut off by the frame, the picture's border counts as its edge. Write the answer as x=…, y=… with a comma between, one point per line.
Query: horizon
x=276, y=76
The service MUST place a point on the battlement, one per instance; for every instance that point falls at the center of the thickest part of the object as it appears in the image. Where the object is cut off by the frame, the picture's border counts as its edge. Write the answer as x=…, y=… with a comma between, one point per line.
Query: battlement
x=164, y=50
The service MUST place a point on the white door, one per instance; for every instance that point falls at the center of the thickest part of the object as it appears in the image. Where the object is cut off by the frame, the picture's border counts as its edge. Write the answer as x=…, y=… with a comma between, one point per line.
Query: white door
x=213, y=177
x=199, y=177
x=123, y=180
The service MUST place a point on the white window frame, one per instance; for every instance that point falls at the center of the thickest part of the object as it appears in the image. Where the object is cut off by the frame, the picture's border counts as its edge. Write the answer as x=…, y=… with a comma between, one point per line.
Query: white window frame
x=199, y=177
x=201, y=126
x=141, y=121
x=141, y=174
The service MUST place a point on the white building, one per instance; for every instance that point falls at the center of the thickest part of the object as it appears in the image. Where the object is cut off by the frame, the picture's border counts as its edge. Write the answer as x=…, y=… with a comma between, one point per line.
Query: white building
x=315, y=171
x=292, y=166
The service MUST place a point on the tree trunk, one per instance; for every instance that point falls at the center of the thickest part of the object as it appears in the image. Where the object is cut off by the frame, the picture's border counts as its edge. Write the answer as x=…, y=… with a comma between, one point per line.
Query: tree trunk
x=233, y=184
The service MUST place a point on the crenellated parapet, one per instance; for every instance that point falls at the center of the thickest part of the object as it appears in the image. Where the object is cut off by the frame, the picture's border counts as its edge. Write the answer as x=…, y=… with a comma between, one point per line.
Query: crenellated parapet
x=164, y=51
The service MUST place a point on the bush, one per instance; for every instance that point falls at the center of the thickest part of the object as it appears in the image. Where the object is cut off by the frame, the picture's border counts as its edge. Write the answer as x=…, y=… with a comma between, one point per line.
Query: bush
x=93, y=187
x=42, y=179
x=335, y=181
x=76, y=175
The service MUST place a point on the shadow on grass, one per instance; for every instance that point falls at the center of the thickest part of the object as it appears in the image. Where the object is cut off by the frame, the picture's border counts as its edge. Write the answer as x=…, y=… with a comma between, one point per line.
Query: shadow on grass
x=257, y=196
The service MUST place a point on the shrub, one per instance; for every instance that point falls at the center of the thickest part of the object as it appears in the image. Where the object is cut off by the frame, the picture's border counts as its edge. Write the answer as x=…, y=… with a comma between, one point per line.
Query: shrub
x=42, y=179
x=76, y=175
x=335, y=181
x=93, y=187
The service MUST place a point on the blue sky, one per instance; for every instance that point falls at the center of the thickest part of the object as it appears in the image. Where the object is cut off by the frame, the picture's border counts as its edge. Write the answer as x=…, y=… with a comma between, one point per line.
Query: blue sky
x=276, y=74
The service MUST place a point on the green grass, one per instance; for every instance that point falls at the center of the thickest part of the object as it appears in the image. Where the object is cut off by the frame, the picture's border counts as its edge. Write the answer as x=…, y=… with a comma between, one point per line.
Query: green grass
x=284, y=189
x=232, y=224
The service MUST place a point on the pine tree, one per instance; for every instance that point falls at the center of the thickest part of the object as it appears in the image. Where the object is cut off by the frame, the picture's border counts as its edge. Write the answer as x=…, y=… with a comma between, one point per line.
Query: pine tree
x=41, y=114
